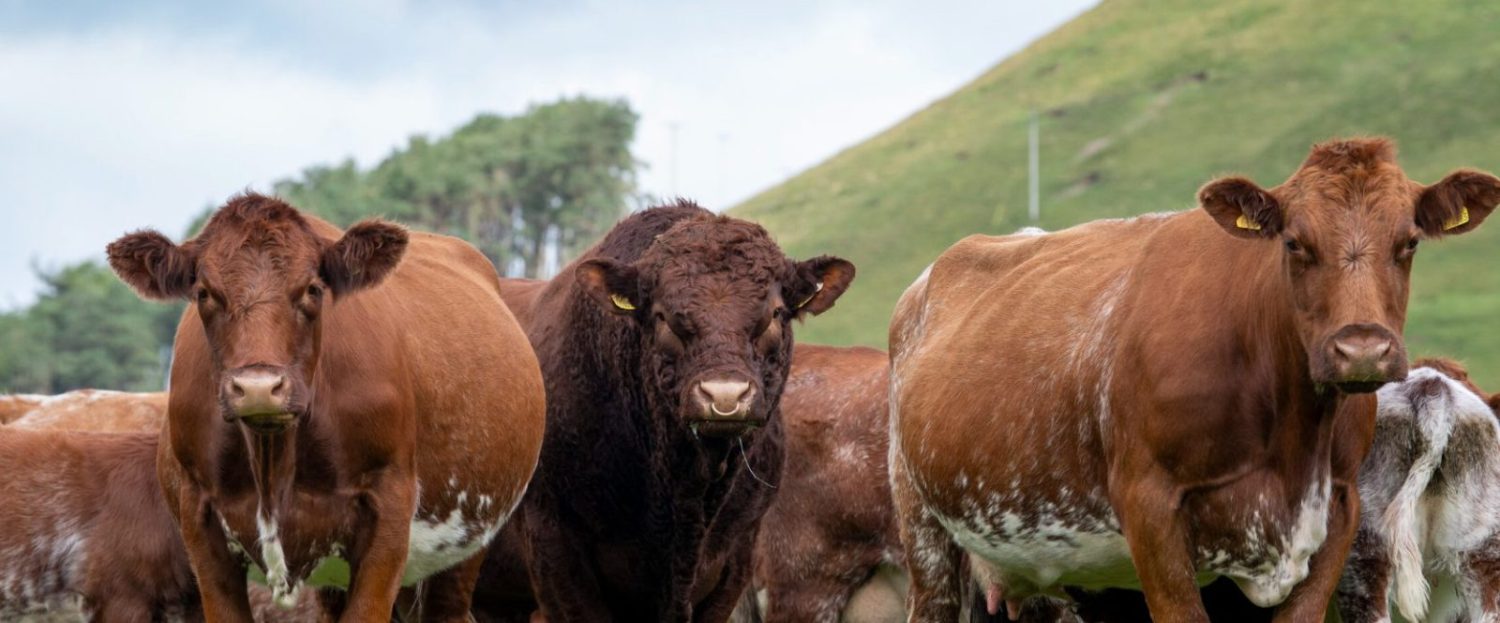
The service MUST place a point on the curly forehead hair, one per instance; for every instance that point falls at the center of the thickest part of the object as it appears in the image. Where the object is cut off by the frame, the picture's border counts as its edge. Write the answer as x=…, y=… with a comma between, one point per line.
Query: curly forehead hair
x=718, y=244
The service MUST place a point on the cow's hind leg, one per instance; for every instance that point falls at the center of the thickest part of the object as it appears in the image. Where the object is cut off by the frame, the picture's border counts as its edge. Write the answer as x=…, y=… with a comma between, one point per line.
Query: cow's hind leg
x=930, y=553
x=446, y=596
x=1362, y=589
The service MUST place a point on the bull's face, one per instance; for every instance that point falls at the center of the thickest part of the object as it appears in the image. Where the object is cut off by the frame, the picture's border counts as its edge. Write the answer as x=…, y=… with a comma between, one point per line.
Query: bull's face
x=1348, y=225
x=258, y=279
x=715, y=300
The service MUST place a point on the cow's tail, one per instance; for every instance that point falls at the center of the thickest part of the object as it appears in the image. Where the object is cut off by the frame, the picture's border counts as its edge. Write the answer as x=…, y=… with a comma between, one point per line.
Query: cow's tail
x=1404, y=521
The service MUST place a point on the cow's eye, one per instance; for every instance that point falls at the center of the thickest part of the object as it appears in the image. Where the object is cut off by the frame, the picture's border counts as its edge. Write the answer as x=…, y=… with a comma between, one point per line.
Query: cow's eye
x=1411, y=245
x=202, y=295
x=314, y=291
x=1292, y=246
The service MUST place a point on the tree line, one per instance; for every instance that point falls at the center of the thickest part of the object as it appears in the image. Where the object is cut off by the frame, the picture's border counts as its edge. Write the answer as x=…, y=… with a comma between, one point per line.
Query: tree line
x=529, y=191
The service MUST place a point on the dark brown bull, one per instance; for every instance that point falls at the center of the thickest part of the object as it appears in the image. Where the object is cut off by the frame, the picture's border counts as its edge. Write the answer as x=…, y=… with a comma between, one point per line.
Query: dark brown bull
x=83, y=517
x=1192, y=389
x=314, y=413
x=664, y=349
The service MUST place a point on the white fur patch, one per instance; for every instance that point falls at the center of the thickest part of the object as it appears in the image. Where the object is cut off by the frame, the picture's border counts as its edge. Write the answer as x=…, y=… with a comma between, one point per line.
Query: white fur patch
x=1269, y=566
x=283, y=588
x=436, y=545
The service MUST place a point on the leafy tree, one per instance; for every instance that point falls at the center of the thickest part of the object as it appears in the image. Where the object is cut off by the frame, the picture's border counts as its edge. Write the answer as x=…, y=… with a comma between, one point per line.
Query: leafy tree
x=86, y=329
x=550, y=180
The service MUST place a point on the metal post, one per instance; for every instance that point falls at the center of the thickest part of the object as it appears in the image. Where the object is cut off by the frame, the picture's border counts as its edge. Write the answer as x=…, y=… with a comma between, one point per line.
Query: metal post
x=1035, y=169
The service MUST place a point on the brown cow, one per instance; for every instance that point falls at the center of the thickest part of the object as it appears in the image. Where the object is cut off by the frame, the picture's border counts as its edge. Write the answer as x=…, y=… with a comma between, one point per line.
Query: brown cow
x=83, y=517
x=664, y=348
x=315, y=414
x=831, y=531
x=1431, y=504
x=98, y=411
x=1151, y=403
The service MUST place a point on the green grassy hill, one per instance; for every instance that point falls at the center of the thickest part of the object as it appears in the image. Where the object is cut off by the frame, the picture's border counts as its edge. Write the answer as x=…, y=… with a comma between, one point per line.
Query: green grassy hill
x=1143, y=101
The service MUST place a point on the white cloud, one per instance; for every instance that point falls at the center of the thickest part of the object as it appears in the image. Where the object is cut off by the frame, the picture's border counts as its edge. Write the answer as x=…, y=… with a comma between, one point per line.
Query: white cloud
x=145, y=123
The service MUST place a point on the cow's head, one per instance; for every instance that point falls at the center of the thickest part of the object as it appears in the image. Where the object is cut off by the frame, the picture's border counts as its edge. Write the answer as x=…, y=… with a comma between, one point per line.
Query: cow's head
x=259, y=278
x=1348, y=224
x=715, y=299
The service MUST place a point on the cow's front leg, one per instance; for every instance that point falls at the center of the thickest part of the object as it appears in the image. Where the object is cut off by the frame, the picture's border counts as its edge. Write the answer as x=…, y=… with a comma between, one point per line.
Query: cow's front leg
x=1150, y=515
x=562, y=576
x=930, y=552
x=1361, y=592
x=1309, y=599
x=378, y=556
x=220, y=574
x=721, y=600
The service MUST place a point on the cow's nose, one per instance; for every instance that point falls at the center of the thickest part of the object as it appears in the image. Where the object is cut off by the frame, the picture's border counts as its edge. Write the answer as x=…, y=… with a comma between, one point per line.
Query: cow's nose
x=1365, y=356
x=724, y=398
x=1366, y=348
x=258, y=392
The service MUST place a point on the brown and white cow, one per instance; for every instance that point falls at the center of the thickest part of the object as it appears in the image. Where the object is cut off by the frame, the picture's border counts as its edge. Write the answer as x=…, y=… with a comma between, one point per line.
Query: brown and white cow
x=664, y=348
x=98, y=411
x=828, y=548
x=83, y=518
x=361, y=394
x=1152, y=402
x=1430, y=490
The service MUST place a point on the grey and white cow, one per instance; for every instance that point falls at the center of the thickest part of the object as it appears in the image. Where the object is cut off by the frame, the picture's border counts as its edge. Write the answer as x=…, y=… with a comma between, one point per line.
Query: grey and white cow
x=1429, y=536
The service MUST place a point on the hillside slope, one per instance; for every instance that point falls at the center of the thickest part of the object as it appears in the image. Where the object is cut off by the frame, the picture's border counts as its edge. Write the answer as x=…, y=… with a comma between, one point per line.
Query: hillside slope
x=1141, y=102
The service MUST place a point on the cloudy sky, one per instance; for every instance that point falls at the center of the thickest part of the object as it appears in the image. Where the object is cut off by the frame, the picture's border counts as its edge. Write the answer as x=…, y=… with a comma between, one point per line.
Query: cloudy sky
x=119, y=115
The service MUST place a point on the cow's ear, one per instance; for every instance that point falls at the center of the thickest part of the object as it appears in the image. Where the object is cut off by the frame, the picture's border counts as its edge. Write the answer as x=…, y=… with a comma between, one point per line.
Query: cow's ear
x=152, y=265
x=1242, y=208
x=365, y=255
x=614, y=286
x=820, y=281
x=1457, y=204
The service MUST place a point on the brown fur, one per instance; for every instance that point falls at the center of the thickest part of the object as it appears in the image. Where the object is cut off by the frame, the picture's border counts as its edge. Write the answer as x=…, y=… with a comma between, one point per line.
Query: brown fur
x=98, y=411
x=424, y=381
x=1185, y=376
x=13, y=406
x=98, y=492
x=832, y=526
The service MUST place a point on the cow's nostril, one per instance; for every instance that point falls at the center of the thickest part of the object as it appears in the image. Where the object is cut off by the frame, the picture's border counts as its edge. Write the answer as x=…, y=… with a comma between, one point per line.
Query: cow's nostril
x=236, y=390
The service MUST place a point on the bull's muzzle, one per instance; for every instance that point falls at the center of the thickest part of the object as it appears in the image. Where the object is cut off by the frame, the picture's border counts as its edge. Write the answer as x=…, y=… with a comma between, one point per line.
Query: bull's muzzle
x=724, y=408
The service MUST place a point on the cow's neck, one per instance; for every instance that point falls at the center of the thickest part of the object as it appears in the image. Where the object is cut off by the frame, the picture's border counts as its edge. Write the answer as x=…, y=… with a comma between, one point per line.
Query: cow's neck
x=273, y=468
x=1278, y=358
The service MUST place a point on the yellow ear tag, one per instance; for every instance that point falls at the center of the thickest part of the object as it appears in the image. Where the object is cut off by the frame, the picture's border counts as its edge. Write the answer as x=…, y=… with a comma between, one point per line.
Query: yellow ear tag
x=1244, y=222
x=1463, y=217
x=810, y=297
x=621, y=302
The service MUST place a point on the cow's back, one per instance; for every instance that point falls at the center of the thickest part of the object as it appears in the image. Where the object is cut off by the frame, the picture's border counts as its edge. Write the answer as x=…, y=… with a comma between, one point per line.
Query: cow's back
x=99, y=411
x=520, y=296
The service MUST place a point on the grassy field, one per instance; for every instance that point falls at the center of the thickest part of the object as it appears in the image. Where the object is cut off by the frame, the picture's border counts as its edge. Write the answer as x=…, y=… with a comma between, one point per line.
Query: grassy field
x=1141, y=102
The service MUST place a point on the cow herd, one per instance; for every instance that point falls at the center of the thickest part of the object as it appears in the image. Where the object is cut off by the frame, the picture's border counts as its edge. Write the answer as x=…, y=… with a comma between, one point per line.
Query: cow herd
x=1174, y=417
